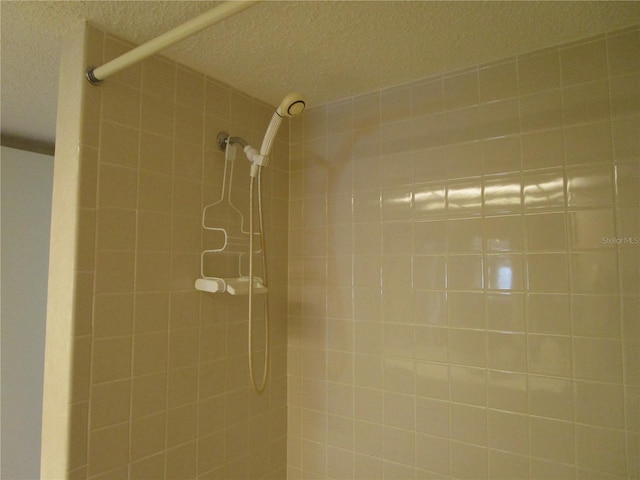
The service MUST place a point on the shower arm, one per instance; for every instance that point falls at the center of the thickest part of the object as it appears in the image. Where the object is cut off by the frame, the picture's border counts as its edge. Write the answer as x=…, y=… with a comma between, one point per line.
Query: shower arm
x=256, y=158
x=95, y=75
x=236, y=140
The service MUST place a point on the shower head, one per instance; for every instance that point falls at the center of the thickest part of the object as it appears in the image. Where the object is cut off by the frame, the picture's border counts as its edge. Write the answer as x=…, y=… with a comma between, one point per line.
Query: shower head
x=291, y=105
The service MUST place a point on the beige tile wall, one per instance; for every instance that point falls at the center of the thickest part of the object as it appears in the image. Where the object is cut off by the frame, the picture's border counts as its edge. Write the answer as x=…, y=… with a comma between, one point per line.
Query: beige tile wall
x=465, y=273
x=161, y=385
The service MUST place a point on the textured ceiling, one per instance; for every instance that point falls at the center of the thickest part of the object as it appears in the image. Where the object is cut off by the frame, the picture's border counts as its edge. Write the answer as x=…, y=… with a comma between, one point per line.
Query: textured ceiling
x=326, y=49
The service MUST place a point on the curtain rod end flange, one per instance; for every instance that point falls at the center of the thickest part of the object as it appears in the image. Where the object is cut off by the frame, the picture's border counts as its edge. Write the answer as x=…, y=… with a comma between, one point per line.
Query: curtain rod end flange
x=93, y=80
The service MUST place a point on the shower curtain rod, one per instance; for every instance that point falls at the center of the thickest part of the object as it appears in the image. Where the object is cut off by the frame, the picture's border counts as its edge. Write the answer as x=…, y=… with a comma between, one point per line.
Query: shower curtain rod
x=195, y=25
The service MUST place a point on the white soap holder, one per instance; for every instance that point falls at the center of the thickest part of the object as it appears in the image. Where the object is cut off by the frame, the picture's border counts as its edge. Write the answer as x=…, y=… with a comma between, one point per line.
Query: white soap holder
x=233, y=286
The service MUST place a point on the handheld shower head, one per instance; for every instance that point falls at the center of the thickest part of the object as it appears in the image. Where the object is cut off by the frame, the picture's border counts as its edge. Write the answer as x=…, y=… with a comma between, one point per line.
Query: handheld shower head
x=291, y=105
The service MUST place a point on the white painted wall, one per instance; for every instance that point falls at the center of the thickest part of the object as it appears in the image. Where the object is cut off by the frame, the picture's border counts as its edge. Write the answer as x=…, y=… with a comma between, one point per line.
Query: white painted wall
x=25, y=185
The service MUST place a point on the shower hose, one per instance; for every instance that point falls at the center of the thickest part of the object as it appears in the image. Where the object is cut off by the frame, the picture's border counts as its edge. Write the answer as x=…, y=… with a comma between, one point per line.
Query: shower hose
x=258, y=387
